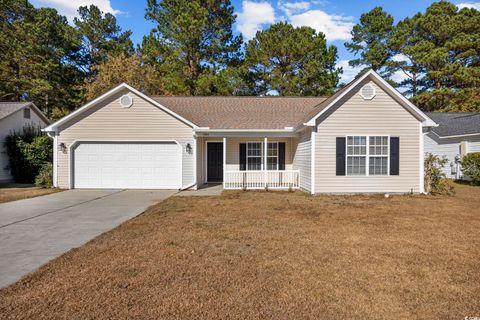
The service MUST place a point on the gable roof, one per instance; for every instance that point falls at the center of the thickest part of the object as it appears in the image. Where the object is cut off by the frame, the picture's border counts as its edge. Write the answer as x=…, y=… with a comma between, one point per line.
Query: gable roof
x=8, y=108
x=104, y=96
x=323, y=107
x=452, y=124
x=237, y=112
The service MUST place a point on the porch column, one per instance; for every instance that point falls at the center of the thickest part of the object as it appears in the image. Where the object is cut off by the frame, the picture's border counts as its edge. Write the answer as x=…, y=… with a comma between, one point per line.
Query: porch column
x=224, y=160
x=265, y=147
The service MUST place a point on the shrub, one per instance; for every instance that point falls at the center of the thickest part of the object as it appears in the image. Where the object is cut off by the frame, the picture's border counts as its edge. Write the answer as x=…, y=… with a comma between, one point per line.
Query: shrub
x=44, y=178
x=471, y=167
x=28, y=151
x=435, y=179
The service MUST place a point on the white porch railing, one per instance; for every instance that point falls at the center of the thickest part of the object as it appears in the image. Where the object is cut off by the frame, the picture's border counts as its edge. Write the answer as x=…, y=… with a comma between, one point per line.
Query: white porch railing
x=281, y=179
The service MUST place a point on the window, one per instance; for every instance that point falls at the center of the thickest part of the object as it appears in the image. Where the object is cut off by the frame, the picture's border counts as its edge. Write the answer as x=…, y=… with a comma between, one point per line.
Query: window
x=371, y=152
x=356, y=155
x=272, y=156
x=378, y=156
x=254, y=156
x=26, y=113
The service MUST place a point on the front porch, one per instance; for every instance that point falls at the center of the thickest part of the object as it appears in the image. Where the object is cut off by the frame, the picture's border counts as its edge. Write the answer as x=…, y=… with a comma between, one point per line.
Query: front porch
x=248, y=162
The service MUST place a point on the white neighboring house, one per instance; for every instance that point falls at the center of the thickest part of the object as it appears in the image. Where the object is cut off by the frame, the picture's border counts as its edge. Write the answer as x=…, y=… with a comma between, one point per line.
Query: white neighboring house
x=14, y=116
x=458, y=134
x=366, y=138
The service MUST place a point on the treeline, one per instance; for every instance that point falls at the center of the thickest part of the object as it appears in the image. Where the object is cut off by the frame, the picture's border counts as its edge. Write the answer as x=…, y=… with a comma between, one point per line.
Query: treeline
x=192, y=50
x=437, y=52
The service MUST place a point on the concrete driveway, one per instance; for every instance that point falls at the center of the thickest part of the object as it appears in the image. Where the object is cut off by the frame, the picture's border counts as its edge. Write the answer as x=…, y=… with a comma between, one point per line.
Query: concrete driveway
x=34, y=231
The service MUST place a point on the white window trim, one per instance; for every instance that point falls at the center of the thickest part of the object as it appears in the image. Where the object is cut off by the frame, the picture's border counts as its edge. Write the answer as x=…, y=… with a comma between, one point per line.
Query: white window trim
x=367, y=155
x=262, y=155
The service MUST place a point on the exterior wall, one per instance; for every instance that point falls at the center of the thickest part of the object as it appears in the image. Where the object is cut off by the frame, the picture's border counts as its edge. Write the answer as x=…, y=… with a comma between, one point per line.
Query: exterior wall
x=302, y=158
x=450, y=148
x=14, y=122
x=382, y=115
x=233, y=153
x=109, y=121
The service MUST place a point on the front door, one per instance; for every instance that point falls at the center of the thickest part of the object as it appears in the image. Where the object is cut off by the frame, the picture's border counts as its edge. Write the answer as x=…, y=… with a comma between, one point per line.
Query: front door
x=214, y=162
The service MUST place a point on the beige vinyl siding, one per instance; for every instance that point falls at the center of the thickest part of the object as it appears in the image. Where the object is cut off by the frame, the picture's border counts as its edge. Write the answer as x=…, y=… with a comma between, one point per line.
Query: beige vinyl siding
x=302, y=158
x=353, y=115
x=14, y=122
x=109, y=121
x=233, y=153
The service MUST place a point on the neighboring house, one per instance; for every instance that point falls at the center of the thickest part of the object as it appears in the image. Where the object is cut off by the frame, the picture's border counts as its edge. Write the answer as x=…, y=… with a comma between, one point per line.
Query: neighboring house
x=365, y=138
x=14, y=116
x=458, y=133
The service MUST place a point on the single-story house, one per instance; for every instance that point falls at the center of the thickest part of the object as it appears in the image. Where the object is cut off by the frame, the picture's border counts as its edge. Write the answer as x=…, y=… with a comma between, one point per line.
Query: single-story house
x=14, y=117
x=367, y=137
x=457, y=134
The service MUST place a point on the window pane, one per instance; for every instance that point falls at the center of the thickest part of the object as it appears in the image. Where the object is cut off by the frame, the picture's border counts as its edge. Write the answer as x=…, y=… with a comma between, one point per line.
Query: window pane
x=254, y=163
x=378, y=166
x=356, y=165
x=272, y=149
x=272, y=163
x=378, y=145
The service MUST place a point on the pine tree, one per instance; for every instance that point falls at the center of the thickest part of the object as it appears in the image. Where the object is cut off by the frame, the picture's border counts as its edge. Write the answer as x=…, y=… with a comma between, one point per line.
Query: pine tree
x=291, y=61
x=369, y=39
x=101, y=35
x=193, y=37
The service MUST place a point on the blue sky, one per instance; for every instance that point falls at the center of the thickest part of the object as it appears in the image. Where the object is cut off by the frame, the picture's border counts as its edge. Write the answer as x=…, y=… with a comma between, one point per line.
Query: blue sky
x=334, y=18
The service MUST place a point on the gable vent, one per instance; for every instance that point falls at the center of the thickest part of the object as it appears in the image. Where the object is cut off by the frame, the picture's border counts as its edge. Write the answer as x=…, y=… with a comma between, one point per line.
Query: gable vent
x=126, y=101
x=368, y=92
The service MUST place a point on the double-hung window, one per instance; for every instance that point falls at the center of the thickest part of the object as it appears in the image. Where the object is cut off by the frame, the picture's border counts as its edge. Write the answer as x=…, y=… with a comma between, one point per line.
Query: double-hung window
x=356, y=155
x=272, y=156
x=255, y=156
x=367, y=153
x=378, y=155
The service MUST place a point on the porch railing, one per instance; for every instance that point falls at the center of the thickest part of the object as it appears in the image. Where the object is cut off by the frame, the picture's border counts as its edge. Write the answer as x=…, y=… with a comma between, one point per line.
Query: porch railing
x=279, y=179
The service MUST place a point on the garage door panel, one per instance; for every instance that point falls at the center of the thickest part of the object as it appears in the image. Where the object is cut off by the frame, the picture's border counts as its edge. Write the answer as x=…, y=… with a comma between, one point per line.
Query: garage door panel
x=127, y=165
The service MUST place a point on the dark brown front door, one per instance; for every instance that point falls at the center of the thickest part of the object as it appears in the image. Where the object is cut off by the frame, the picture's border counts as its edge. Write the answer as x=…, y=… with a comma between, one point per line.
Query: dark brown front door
x=215, y=162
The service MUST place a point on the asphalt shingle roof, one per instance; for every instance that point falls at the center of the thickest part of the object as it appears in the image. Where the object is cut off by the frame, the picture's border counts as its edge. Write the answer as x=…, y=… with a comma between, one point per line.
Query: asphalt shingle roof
x=455, y=123
x=7, y=108
x=242, y=112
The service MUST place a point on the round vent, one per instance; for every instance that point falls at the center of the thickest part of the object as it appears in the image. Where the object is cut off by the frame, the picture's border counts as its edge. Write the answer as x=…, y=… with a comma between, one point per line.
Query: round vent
x=368, y=92
x=126, y=101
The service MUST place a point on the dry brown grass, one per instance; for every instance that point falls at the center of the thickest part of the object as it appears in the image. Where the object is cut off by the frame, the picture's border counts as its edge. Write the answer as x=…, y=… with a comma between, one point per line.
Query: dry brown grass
x=12, y=192
x=270, y=256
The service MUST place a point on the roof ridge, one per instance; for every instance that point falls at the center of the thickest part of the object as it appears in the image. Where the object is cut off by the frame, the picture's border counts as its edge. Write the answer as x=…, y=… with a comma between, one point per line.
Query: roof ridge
x=259, y=97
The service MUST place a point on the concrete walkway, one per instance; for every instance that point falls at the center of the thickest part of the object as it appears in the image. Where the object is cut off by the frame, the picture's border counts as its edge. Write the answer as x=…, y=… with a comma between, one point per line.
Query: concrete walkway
x=34, y=231
x=203, y=191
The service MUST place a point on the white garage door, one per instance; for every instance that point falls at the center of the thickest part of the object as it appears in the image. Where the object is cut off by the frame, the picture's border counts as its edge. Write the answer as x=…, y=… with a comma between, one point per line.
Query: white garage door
x=127, y=165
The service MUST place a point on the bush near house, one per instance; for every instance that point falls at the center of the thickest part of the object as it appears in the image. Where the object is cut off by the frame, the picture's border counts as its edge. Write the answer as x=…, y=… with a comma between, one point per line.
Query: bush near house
x=435, y=180
x=28, y=151
x=471, y=167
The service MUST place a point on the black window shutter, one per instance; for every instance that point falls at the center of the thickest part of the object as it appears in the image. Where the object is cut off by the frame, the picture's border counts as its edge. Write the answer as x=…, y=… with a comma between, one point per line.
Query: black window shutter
x=394, y=156
x=341, y=156
x=243, y=156
x=281, y=156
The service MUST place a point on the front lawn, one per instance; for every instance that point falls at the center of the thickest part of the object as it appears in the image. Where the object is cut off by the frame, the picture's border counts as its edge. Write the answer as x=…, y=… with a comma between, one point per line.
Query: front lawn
x=258, y=255
x=15, y=191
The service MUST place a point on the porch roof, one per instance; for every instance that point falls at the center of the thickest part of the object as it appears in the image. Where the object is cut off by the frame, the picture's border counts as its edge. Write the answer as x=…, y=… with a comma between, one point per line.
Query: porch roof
x=239, y=112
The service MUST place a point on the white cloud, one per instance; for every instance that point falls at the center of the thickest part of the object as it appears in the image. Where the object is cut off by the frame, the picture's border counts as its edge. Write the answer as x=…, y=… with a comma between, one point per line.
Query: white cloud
x=69, y=8
x=474, y=5
x=253, y=16
x=333, y=26
x=291, y=7
x=349, y=72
